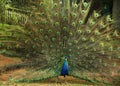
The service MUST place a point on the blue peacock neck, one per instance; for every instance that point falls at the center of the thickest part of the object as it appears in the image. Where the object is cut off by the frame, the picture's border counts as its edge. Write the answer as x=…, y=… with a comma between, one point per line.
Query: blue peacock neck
x=64, y=70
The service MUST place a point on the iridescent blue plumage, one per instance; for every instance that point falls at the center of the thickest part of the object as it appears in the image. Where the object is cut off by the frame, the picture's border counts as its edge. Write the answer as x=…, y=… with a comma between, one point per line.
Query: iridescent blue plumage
x=64, y=70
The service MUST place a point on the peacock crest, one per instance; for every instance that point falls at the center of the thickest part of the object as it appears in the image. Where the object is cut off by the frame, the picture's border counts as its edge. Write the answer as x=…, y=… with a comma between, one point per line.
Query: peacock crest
x=56, y=29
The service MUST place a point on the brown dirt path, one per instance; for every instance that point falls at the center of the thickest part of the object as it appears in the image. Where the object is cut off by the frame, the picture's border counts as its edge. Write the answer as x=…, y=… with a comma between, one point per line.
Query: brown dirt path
x=6, y=60
x=4, y=77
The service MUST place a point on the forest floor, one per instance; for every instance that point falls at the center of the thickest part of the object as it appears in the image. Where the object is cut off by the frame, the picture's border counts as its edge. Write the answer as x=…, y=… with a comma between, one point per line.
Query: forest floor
x=4, y=77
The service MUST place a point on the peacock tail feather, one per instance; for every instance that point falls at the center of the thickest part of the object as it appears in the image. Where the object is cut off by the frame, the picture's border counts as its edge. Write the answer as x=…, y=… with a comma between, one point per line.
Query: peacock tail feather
x=55, y=29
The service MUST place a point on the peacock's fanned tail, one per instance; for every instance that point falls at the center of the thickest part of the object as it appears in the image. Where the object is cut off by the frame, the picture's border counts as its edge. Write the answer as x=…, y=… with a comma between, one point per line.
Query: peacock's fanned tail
x=57, y=29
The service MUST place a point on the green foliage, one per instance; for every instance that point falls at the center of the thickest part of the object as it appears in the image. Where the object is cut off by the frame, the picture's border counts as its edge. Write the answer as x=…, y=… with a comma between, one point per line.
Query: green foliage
x=4, y=4
x=9, y=34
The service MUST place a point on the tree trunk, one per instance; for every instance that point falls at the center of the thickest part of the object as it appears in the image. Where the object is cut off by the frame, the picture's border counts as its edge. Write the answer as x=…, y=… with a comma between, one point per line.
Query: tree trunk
x=116, y=13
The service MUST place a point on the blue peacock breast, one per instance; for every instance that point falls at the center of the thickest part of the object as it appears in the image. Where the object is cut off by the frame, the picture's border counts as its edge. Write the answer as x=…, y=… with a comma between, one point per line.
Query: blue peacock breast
x=64, y=70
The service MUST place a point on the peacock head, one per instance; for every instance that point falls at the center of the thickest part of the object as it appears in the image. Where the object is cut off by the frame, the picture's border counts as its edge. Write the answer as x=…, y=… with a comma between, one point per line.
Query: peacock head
x=66, y=57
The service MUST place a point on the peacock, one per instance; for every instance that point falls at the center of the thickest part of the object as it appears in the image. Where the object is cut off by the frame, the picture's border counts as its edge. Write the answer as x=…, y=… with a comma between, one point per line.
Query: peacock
x=59, y=37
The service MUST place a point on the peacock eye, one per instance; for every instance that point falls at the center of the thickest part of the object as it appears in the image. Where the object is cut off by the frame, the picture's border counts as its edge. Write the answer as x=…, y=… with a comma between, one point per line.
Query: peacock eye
x=65, y=18
x=114, y=64
x=53, y=39
x=81, y=22
x=110, y=48
x=57, y=24
x=58, y=33
x=102, y=52
x=86, y=47
x=35, y=39
x=108, y=19
x=74, y=15
x=97, y=32
x=96, y=15
x=55, y=4
x=51, y=46
x=36, y=22
x=78, y=54
x=92, y=23
x=100, y=60
x=41, y=30
x=109, y=57
x=84, y=39
x=64, y=28
x=26, y=41
x=60, y=43
x=27, y=55
x=75, y=6
x=70, y=50
x=33, y=46
x=73, y=24
x=50, y=31
x=102, y=26
x=58, y=50
x=43, y=45
x=32, y=15
x=79, y=31
x=43, y=51
x=105, y=64
x=65, y=38
x=45, y=22
x=107, y=38
x=115, y=34
x=70, y=44
x=92, y=39
x=42, y=14
x=30, y=32
x=83, y=12
x=71, y=34
x=85, y=4
x=41, y=4
x=78, y=48
x=75, y=41
x=56, y=14
x=88, y=31
x=101, y=44
x=90, y=61
x=46, y=37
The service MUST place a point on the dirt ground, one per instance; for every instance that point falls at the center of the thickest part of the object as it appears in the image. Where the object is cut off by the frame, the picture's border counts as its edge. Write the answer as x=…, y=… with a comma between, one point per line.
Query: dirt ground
x=4, y=77
x=60, y=81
